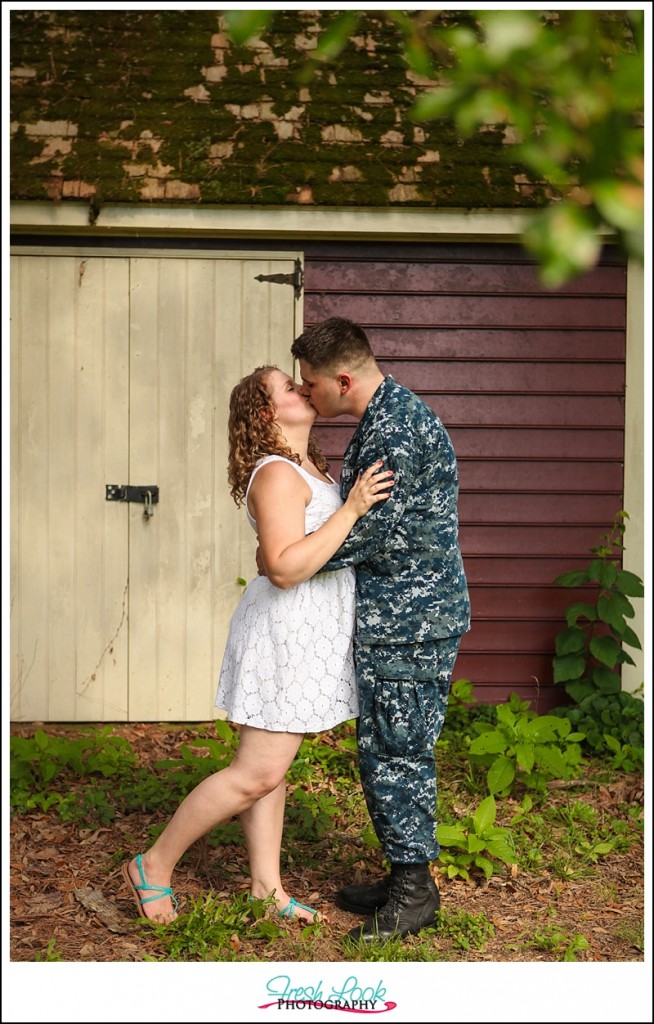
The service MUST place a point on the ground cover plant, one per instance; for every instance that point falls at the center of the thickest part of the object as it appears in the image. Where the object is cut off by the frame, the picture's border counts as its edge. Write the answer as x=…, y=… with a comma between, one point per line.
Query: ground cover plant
x=552, y=872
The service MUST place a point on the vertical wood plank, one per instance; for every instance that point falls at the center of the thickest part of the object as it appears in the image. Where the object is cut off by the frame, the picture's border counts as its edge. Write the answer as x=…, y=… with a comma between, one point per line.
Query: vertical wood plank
x=62, y=490
x=171, y=513
x=202, y=485
x=29, y=526
x=102, y=458
x=144, y=541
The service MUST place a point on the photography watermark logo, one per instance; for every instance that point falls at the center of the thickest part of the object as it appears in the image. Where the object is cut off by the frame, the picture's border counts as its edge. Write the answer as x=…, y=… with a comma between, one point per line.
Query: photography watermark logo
x=350, y=997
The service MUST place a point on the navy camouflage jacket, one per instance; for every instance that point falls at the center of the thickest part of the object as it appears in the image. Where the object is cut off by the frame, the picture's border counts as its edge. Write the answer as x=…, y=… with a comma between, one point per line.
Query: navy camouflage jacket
x=410, y=582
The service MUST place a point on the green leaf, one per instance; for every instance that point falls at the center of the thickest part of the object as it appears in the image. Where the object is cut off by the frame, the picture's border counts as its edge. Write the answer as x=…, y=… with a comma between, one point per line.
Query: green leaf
x=571, y=666
x=506, y=715
x=620, y=203
x=501, y=849
x=418, y=57
x=474, y=843
x=500, y=775
x=485, y=815
x=627, y=636
x=605, y=680
x=605, y=649
x=243, y=25
x=488, y=743
x=451, y=835
x=565, y=241
x=524, y=755
x=48, y=770
x=613, y=608
x=485, y=864
x=438, y=103
x=630, y=584
x=41, y=739
x=576, y=611
x=570, y=640
x=547, y=727
x=607, y=574
x=506, y=31
x=552, y=760
x=334, y=39
x=580, y=689
x=572, y=579
x=612, y=743
x=603, y=848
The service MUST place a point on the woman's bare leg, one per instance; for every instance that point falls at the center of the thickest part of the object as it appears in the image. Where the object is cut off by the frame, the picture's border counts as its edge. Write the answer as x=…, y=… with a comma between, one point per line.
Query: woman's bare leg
x=258, y=768
x=263, y=825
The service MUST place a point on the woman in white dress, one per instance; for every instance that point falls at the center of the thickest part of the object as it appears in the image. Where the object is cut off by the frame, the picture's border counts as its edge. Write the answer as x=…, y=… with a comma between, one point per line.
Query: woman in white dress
x=288, y=666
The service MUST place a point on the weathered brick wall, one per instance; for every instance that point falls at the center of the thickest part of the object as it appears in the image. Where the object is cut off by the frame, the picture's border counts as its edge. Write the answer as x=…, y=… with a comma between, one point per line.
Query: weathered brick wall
x=127, y=106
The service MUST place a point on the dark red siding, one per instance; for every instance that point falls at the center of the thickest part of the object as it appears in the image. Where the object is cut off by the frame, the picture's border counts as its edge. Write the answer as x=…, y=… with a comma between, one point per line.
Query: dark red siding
x=530, y=385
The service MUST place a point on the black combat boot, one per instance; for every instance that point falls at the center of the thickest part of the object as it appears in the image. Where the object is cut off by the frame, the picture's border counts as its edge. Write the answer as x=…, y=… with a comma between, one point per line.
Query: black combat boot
x=413, y=903
x=364, y=899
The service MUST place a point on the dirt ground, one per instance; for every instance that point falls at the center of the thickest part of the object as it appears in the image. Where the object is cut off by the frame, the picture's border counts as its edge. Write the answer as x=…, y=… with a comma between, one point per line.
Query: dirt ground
x=66, y=885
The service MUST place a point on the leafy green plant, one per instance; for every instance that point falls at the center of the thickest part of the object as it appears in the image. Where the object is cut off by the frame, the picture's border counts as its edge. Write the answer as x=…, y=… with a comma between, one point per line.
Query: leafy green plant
x=334, y=755
x=625, y=758
x=466, y=931
x=591, y=648
x=213, y=928
x=44, y=757
x=190, y=768
x=524, y=746
x=478, y=843
x=51, y=954
x=40, y=762
x=613, y=726
x=556, y=940
x=309, y=815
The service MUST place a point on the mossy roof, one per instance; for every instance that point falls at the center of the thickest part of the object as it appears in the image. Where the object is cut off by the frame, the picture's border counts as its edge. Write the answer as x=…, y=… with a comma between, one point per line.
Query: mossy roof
x=134, y=106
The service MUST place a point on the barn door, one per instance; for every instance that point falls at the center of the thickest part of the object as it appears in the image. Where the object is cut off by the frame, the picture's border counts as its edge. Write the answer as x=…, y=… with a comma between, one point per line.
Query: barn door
x=121, y=372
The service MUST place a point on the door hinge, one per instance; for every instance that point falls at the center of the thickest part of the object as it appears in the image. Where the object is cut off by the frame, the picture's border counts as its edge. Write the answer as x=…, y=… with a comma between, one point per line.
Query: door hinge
x=296, y=278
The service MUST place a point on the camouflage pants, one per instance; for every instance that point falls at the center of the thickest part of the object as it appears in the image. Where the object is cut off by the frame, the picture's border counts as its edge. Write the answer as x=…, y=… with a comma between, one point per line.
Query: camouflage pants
x=403, y=691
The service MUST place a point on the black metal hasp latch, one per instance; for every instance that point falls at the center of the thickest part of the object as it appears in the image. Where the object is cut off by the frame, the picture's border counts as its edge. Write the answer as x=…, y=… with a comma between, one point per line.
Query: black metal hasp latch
x=147, y=496
x=296, y=278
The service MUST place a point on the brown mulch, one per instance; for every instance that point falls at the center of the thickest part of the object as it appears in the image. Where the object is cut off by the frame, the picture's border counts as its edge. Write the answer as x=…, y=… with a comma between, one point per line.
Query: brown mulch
x=66, y=885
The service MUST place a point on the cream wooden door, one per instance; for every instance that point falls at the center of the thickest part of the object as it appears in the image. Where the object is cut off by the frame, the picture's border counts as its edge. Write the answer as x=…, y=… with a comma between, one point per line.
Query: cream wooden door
x=122, y=367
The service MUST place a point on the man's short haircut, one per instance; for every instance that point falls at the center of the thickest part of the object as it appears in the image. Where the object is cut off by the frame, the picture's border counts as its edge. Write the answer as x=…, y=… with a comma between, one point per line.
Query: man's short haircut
x=336, y=342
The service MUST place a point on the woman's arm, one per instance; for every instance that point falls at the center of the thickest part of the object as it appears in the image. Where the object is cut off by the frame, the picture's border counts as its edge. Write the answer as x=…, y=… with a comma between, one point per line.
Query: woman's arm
x=278, y=498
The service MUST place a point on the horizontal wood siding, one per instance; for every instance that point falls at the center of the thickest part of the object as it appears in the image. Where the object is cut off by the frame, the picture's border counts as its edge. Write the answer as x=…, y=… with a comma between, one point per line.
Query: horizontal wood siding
x=530, y=385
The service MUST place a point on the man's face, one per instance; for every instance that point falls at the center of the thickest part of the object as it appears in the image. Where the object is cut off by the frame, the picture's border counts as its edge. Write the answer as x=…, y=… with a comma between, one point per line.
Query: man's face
x=323, y=390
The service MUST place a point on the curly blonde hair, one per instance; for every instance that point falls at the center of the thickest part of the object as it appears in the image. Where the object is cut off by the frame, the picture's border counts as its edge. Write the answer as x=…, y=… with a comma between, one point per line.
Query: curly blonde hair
x=253, y=432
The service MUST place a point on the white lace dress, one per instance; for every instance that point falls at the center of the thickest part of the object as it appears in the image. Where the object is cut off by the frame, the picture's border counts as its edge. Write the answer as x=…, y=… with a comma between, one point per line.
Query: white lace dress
x=288, y=664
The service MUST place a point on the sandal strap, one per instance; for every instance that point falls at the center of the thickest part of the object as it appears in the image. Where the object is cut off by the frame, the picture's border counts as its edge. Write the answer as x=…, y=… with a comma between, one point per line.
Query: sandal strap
x=163, y=890
x=289, y=910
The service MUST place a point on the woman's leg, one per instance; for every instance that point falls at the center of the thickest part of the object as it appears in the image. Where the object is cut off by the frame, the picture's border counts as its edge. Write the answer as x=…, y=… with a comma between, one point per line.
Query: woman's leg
x=263, y=825
x=258, y=768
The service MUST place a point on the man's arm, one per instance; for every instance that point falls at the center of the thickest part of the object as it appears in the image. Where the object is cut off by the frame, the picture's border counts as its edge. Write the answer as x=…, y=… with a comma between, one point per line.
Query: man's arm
x=371, y=534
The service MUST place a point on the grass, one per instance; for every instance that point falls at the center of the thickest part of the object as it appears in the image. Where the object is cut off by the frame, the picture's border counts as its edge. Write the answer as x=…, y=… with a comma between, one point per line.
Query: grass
x=90, y=776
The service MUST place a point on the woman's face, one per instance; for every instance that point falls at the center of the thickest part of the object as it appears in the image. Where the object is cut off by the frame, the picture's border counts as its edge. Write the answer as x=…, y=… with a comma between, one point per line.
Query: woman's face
x=291, y=408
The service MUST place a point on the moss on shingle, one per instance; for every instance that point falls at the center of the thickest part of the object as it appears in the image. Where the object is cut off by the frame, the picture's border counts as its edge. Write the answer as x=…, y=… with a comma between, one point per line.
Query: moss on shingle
x=136, y=86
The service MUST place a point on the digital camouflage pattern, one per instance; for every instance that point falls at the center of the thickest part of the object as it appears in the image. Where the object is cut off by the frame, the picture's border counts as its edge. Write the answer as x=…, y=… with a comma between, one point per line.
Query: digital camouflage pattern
x=411, y=585
x=403, y=691
x=412, y=608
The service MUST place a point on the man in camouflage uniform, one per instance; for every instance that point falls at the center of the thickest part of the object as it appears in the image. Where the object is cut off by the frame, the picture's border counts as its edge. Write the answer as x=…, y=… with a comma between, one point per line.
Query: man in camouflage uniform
x=412, y=608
